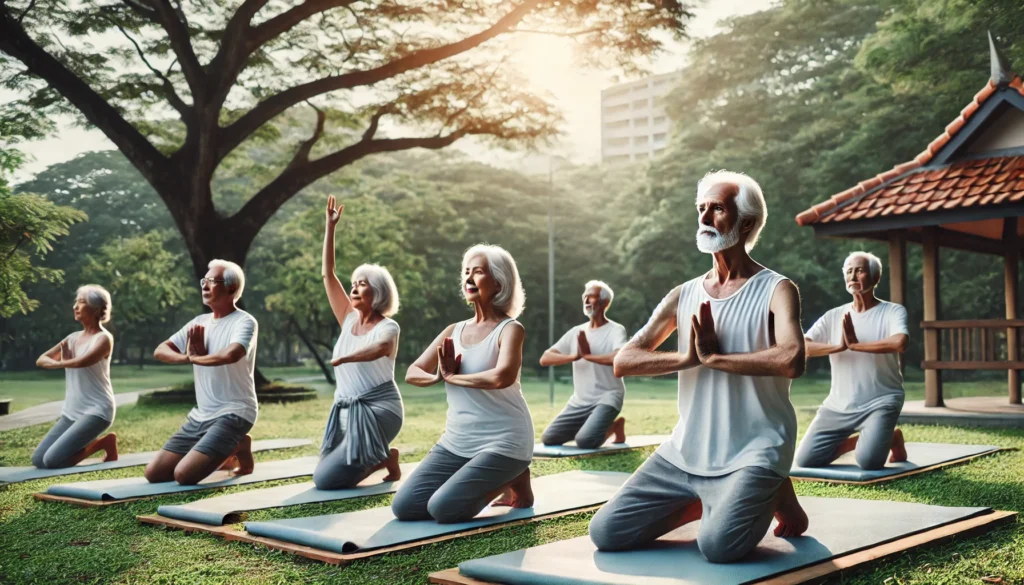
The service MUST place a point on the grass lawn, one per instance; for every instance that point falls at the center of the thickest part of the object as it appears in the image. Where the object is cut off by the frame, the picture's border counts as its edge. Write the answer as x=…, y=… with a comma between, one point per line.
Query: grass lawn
x=55, y=543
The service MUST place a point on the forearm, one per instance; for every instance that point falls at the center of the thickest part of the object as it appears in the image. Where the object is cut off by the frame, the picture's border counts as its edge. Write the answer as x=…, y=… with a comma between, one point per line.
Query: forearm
x=221, y=358
x=367, y=354
x=48, y=363
x=327, y=264
x=493, y=379
x=554, y=358
x=639, y=362
x=417, y=376
x=880, y=346
x=782, y=361
x=605, y=359
x=169, y=356
x=815, y=349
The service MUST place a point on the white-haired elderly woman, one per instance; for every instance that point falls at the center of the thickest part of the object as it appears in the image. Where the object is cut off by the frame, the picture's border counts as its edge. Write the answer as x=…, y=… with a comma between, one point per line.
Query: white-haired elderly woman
x=592, y=413
x=367, y=413
x=89, y=398
x=487, y=445
x=863, y=339
x=221, y=346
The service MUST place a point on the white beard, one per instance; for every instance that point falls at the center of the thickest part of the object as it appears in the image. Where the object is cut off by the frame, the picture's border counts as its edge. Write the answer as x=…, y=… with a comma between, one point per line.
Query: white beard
x=589, y=312
x=712, y=243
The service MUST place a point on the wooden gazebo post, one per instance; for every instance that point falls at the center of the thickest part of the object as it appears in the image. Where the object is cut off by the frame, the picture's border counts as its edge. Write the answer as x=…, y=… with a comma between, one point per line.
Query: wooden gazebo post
x=1011, y=259
x=930, y=273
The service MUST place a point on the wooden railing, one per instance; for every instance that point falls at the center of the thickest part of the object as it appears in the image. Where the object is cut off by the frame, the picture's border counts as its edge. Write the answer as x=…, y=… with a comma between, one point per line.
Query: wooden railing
x=982, y=344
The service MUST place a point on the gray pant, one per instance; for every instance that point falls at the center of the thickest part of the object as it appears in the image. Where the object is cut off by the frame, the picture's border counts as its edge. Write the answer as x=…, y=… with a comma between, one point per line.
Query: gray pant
x=830, y=428
x=737, y=509
x=66, y=438
x=449, y=488
x=333, y=473
x=587, y=425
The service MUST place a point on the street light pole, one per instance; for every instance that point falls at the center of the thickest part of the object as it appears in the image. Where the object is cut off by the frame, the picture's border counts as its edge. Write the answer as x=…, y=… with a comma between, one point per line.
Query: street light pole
x=551, y=277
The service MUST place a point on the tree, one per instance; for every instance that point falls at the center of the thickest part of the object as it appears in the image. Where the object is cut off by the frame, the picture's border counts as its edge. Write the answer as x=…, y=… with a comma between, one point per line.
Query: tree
x=181, y=88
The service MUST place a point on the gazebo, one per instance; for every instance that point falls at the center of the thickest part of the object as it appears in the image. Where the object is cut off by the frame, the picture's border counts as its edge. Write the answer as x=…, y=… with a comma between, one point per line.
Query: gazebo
x=964, y=191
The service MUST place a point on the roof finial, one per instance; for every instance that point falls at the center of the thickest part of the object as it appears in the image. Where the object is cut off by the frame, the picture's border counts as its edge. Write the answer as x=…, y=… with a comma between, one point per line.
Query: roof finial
x=1001, y=74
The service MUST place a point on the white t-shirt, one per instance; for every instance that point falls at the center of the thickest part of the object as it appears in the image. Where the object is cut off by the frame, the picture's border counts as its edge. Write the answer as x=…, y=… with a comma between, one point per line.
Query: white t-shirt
x=593, y=383
x=88, y=389
x=860, y=380
x=730, y=421
x=227, y=389
x=358, y=377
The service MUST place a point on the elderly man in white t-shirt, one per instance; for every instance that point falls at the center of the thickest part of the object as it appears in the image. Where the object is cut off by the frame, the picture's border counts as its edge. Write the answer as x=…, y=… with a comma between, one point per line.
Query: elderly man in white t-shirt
x=221, y=346
x=864, y=340
x=740, y=343
x=590, y=416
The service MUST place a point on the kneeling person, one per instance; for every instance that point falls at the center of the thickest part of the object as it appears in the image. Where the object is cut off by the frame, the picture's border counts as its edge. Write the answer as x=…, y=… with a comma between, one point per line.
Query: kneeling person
x=863, y=340
x=590, y=416
x=221, y=346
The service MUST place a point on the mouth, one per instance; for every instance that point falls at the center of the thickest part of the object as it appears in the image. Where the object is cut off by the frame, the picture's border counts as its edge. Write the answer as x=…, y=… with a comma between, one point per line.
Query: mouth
x=471, y=289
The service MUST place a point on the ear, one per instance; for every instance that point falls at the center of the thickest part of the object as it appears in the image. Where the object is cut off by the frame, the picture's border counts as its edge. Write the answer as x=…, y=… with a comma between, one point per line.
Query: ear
x=747, y=225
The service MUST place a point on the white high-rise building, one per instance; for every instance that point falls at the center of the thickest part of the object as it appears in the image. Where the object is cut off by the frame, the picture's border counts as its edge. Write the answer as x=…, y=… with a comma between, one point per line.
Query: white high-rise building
x=633, y=121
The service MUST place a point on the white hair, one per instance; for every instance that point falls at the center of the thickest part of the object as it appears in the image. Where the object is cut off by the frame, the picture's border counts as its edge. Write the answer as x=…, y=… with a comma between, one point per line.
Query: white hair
x=874, y=264
x=749, y=199
x=385, y=293
x=607, y=294
x=234, y=278
x=97, y=297
x=511, y=298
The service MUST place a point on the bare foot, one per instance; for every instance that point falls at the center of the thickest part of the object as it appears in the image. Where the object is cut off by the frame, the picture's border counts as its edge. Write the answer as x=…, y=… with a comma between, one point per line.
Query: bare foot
x=619, y=429
x=109, y=445
x=791, y=516
x=898, y=447
x=229, y=464
x=391, y=464
x=244, y=456
x=518, y=493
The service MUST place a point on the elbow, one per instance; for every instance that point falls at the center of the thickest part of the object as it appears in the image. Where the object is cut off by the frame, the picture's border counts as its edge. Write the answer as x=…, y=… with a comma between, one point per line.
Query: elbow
x=39, y=361
x=796, y=365
x=505, y=380
x=619, y=368
x=903, y=344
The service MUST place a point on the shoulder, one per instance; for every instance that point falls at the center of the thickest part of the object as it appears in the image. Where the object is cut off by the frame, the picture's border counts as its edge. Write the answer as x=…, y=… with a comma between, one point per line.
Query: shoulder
x=511, y=330
x=616, y=326
x=894, y=308
x=388, y=326
x=784, y=288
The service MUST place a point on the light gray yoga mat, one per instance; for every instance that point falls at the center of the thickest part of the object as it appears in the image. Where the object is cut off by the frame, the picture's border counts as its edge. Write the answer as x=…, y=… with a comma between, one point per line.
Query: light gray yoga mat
x=19, y=474
x=837, y=526
x=138, y=487
x=215, y=511
x=378, y=527
x=918, y=455
x=571, y=450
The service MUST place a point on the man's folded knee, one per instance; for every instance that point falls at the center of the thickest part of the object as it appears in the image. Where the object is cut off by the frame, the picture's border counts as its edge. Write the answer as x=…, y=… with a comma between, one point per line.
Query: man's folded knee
x=719, y=550
x=39, y=461
x=871, y=461
x=550, y=439
x=604, y=536
x=184, y=477
x=588, y=442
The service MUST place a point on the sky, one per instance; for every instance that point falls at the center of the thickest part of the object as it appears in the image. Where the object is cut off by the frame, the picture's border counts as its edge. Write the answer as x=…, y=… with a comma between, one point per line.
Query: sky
x=547, y=64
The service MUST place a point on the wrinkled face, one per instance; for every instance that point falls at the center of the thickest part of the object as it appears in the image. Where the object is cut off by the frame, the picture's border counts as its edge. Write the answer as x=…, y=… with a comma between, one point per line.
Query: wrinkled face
x=84, y=311
x=592, y=301
x=478, y=286
x=213, y=286
x=718, y=225
x=361, y=294
x=857, y=274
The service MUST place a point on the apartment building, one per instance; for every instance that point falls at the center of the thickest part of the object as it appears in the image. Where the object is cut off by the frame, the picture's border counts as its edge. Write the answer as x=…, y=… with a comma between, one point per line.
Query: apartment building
x=633, y=121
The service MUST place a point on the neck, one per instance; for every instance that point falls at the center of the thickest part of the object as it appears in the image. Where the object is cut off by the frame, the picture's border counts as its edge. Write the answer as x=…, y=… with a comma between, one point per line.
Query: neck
x=223, y=309
x=597, y=319
x=91, y=328
x=864, y=301
x=369, y=317
x=485, y=312
x=732, y=264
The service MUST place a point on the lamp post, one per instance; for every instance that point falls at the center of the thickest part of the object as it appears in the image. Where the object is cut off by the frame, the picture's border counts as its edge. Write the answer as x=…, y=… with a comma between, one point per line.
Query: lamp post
x=551, y=276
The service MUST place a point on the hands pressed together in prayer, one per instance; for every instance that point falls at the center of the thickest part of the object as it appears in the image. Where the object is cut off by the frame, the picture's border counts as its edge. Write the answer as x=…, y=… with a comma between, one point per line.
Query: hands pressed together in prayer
x=448, y=363
x=582, y=346
x=196, y=344
x=703, y=339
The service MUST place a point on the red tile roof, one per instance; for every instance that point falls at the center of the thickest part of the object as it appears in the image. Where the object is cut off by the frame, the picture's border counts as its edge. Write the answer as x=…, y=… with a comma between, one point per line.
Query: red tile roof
x=905, y=189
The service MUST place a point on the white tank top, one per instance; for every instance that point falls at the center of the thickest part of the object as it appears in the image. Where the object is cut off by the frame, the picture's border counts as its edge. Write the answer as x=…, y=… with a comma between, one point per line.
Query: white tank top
x=492, y=421
x=728, y=421
x=356, y=378
x=88, y=390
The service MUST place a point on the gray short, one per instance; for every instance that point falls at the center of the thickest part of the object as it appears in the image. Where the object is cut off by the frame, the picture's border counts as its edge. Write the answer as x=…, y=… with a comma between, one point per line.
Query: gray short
x=587, y=425
x=829, y=429
x=737, y=509
x=67, y=438
x=217, y=438
x=449, y=488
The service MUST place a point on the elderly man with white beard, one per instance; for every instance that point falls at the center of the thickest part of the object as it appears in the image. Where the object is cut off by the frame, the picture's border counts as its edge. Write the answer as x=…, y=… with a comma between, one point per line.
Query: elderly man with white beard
x=589, y=418
x=864, y=340
x=740, y=344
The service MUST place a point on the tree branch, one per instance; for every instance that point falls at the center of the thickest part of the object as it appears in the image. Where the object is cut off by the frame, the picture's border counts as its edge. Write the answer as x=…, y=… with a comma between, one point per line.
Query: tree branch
x=302, y=154
x=141, y=10
x=25, y=12
x=266, y=110
x=172, y=96
x=283, y=22
x=181, y=43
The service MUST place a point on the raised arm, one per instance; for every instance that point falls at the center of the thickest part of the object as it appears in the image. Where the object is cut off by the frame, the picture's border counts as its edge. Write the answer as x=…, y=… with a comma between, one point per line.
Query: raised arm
x=424, y=371
x=639, y=356
x=787, y=357
x=336, y=294
x=504, y=373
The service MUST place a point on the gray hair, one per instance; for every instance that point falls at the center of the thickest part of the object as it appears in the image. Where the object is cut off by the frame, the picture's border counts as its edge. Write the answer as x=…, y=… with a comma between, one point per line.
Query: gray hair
x=749, y=200
x=385, y=293
x=607, y=294
x=234, y=278
x=511, y=298
x=874, y=264
x=97, y=298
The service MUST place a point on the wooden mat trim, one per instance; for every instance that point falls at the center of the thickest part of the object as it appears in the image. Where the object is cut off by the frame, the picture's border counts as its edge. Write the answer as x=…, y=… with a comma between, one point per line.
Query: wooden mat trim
x=185, y=525
x=969, y=527
x=81, y=501
x=907, y=473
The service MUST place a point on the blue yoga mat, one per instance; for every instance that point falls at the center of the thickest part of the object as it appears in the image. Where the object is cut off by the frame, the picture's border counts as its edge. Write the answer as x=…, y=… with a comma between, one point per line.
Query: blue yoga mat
x=215, y=511
x=19, y=474
x=837, y=527
x=106, y=490
x=918, y=455
x=378, y=527
x=571, y=450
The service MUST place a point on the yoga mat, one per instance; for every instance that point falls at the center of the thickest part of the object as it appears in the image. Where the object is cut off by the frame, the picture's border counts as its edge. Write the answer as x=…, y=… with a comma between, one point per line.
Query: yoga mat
x=920, y=457
x=218, y=510
x=138, y=487
x=571, y=450
x=837, y=527
x=378, y=528
x=19, y=474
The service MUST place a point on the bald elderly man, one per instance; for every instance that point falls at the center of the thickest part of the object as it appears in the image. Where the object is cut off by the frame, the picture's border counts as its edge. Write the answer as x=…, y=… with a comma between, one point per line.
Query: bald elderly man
x=863, y=339
x=592, y=414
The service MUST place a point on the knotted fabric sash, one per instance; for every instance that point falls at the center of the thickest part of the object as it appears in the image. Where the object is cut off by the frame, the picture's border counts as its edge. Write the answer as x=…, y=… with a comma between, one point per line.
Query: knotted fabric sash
x=366, y=443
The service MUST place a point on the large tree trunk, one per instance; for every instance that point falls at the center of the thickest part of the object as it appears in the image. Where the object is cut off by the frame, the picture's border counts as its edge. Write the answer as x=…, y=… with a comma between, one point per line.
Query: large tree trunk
x=328, y=373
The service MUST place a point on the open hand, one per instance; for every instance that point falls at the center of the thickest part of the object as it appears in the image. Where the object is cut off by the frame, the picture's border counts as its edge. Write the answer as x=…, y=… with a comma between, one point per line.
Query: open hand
x=705, y=338
x=338, y=361
x=333, y=211
x=448, y=364
x=65, y=351
x=849, y=333
x=196, y=341
x=582, y=345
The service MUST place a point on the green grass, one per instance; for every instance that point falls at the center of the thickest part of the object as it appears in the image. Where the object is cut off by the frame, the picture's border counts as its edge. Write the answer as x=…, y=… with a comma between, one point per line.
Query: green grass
x=55, y=543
